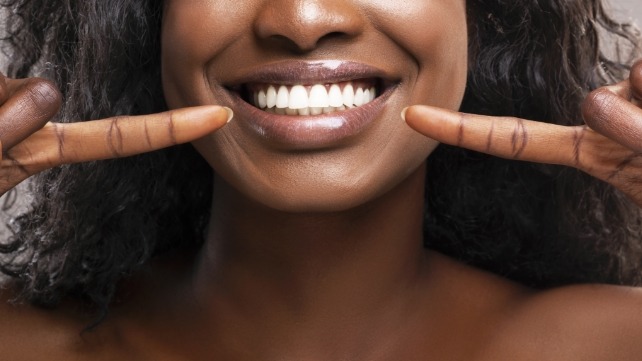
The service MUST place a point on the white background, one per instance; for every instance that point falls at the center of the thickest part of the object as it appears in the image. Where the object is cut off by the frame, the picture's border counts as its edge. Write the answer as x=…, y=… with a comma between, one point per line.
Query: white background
x=630, y=8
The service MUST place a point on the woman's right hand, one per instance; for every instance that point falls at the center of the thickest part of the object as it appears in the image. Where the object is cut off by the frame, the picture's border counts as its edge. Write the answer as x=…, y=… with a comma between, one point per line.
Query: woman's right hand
x=31, y=143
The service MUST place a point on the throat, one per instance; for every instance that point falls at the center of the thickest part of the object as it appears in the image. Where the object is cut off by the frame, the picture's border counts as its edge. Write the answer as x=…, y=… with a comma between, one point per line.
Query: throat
x=312, y=265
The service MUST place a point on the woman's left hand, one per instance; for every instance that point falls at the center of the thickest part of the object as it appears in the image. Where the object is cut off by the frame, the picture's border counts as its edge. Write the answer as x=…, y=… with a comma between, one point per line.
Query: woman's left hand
x=608, y=147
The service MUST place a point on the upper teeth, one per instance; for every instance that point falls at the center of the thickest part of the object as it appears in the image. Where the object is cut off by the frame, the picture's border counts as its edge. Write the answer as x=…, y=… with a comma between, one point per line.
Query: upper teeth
x=313, y=99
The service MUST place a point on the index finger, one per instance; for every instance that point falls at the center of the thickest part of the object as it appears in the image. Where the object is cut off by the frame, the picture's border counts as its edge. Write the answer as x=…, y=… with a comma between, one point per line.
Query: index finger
x=505, y=137
x=116, y=137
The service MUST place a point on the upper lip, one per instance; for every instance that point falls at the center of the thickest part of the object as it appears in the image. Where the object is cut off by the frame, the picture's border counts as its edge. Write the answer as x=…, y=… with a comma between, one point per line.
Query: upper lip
x=310, y=72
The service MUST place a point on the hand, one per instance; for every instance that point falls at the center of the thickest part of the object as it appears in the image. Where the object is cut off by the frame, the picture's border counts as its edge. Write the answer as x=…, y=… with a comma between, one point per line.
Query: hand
x=609, y=147
x=31, y=144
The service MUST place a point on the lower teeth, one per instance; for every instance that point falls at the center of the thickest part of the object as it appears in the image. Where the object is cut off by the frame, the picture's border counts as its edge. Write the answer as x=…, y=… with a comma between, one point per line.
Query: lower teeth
x=306, y=111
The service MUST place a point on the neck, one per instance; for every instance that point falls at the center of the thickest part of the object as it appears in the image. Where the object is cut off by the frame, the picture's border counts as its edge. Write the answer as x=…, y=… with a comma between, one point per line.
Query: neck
x=325, y=270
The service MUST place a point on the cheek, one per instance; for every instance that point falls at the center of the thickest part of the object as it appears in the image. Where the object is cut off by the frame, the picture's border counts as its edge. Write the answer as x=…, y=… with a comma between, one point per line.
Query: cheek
x=443, y=55
x=435, y=35
x=193, y=32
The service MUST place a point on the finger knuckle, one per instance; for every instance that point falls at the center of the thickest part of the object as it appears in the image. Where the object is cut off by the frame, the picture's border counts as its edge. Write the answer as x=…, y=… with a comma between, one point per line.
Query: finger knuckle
x=171, y=130
x=597, y=106
x=115, y=137
x=59, y=133
x=519, y=139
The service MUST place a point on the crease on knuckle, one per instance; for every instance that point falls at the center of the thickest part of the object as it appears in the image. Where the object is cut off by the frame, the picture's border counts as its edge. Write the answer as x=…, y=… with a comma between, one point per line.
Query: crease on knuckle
x=461, y=129
x=14, y=166
x=491, y=134
x=60, y=137
x=115, y=137
x=578, y=140
x=32, y=162
x=519, y=138
x=148, y=139
x=622, y=166
x=171, y=129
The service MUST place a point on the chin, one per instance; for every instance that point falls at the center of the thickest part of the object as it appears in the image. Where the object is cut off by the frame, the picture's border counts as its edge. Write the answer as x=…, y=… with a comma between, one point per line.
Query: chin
x=314, y=200
x=297, y=191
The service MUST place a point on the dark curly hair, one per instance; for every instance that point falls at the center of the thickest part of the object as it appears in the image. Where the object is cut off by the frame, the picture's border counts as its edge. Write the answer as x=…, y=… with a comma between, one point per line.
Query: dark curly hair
x=92, y=224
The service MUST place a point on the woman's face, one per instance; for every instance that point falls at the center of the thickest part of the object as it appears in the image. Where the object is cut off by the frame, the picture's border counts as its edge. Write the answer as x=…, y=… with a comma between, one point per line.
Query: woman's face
x=301, y=76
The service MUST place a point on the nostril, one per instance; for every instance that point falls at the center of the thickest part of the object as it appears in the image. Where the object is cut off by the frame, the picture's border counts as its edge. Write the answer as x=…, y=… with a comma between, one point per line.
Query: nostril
x=333, y=35
x=302, y=26
x=283, y=42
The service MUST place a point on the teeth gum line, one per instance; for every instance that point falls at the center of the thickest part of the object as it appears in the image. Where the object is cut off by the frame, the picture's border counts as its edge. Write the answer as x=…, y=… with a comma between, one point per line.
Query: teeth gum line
x=312, y=99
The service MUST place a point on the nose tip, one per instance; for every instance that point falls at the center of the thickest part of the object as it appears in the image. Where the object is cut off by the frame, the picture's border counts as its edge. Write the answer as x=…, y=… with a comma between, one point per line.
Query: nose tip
x=305, y=24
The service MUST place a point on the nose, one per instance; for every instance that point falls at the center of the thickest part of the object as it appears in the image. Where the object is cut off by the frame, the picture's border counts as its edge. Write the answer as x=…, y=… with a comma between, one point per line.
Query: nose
x=304, y=24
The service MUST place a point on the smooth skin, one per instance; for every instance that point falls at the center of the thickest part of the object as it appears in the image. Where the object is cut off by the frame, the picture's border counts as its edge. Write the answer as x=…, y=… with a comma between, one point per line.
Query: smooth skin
x=352, y=282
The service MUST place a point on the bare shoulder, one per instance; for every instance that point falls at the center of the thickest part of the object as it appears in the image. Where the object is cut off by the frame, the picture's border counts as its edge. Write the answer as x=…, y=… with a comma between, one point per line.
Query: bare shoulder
x=29, y=333
x=582, y=322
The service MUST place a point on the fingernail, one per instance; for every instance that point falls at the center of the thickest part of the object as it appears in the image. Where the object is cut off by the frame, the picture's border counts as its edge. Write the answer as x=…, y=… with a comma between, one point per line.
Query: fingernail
x=403, y=113
x=230, y=113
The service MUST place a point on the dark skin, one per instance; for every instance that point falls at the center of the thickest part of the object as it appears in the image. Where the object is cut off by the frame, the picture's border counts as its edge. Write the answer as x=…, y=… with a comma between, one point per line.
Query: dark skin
x=338, y=276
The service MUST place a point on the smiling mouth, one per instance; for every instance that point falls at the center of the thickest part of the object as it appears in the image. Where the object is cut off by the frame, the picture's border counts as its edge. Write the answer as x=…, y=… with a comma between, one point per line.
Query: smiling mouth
x=307, y=105
x=311, y=99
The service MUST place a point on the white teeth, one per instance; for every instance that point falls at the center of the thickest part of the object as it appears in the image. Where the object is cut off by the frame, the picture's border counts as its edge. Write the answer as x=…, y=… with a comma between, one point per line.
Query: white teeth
x=319, y=99
x=335, y=97
x=358, y=97
x=271, y=97
x=282, y=97
x=319, y=96
x=298, y=97
x=262, y=99
x=348, y=95
x=316, y=110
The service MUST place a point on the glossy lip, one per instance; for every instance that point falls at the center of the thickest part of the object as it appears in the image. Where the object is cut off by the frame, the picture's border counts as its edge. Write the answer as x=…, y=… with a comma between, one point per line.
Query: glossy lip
x=310, y=132
x=310, y=72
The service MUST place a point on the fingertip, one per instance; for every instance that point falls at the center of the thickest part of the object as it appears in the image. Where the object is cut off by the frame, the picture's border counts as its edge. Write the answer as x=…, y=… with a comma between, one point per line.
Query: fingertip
x=427, y=113
x=403, y=113
x=423, y=118
x=230, y=114
x=208, y=114
x=410, y=113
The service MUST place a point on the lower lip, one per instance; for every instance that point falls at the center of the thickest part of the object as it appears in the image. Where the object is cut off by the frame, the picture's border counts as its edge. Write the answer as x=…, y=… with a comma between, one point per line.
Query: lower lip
x=309, y=132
